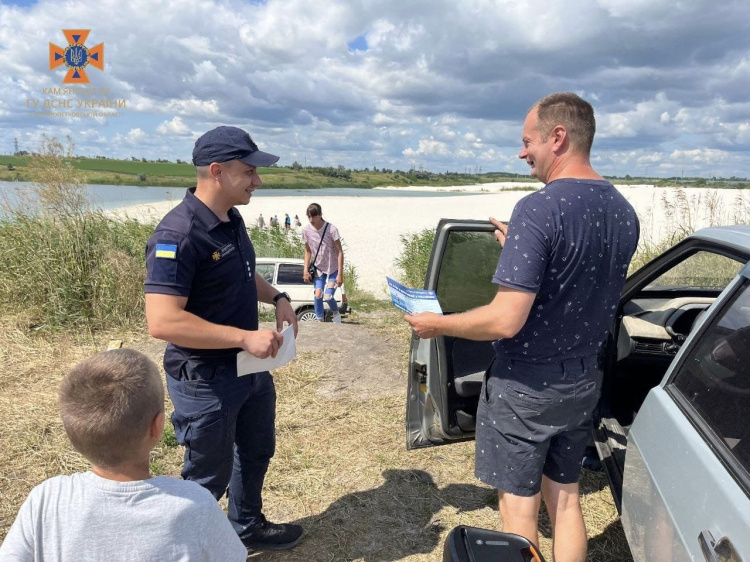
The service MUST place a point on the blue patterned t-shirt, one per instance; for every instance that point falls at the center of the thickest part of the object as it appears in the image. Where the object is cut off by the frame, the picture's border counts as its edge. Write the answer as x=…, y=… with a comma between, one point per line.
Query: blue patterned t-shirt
x=570, y=243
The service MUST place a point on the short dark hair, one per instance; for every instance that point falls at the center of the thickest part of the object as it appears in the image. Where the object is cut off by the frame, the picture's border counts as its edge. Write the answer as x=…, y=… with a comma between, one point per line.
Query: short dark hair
x=107, y=403
x=314, y=210
x=572, y=112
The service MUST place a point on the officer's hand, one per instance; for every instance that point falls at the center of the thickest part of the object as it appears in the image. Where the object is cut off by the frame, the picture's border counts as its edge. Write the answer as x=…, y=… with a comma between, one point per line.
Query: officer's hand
x=262, y=343
x=306, y=277
x=339, y=280
x=425, y=324
x=285, y=313
x=501, y=231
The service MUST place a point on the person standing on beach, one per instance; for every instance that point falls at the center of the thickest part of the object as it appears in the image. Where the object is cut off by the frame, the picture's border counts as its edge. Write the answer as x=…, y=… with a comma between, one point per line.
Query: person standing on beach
x=297, y=222
x=202, y=293
x=565, y=257
x=324, y=252
x=261, y=222
x=287, y=223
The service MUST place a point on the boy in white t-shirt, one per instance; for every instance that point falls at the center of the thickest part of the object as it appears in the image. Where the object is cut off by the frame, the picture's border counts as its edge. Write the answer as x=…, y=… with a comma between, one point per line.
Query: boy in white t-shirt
x=112, y=407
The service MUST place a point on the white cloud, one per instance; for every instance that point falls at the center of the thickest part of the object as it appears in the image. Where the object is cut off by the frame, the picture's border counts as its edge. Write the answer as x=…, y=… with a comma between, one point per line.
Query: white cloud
x=135, y=136
x=175, y=127
x=428, y=147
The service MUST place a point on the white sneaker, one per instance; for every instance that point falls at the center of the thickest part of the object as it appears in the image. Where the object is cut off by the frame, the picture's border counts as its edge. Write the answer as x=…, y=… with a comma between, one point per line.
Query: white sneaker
x=337, y=318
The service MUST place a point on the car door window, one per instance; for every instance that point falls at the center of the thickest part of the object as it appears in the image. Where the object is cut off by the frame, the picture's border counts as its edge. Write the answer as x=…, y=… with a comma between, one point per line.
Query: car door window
x=266, y=271
x=701, y=270
x=290, y=274
x=466, y=270
x=714, y=378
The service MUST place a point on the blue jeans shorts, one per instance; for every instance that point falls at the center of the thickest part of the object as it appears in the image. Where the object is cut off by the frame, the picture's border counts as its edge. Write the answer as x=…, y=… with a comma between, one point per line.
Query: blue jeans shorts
x=535, y=419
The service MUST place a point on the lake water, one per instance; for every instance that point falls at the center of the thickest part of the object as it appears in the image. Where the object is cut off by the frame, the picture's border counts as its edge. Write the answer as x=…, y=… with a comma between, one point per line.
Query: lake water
x=108, y=197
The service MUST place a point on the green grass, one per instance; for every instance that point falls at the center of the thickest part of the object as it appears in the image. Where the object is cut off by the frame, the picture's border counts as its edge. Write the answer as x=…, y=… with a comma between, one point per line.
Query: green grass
x=85, y=271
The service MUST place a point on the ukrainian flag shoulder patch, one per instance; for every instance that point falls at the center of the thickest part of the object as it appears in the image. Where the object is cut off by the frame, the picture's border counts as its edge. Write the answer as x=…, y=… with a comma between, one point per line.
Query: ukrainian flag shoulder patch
x=166, y=251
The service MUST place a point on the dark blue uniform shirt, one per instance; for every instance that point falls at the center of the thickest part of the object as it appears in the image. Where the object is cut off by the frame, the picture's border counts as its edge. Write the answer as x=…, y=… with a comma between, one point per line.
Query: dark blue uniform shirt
x=570, y=243
x=193, y=254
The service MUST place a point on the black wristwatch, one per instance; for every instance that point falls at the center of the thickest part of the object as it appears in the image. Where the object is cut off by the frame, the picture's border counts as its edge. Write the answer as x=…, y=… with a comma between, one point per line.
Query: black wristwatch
x=281, y=296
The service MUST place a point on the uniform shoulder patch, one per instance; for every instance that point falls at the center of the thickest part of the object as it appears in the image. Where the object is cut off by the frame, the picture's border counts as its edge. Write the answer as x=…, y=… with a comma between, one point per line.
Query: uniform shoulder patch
x=166, y=250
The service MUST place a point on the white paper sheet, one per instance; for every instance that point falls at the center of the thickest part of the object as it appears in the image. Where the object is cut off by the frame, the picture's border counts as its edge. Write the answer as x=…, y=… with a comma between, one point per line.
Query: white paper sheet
x=247, y=364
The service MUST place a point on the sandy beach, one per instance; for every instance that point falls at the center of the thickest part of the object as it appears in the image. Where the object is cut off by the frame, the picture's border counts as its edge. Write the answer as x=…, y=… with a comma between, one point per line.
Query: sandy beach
x=371, y=225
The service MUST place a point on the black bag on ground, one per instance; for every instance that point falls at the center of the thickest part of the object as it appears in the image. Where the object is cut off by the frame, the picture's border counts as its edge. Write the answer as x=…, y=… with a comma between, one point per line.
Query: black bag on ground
x=469, y=544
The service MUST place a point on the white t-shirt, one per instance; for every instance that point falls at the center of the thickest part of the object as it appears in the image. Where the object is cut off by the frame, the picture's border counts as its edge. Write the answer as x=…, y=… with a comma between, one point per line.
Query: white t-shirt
x=86, y=517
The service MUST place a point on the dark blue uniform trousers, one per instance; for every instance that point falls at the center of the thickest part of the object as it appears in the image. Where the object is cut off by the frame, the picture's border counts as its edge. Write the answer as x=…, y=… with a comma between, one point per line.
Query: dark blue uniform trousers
x=227, y=426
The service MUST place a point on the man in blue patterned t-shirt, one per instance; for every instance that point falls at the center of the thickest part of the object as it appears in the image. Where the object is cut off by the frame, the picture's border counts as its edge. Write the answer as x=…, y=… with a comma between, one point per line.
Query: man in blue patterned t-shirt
x=566, y=251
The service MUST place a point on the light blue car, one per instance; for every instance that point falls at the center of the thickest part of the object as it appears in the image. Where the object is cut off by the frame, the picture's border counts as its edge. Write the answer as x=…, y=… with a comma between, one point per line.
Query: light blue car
x=673, y=424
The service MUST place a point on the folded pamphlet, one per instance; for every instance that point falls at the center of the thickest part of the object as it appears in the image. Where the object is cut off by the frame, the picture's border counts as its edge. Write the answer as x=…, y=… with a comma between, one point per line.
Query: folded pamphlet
x=247, y=363
x=413, y=301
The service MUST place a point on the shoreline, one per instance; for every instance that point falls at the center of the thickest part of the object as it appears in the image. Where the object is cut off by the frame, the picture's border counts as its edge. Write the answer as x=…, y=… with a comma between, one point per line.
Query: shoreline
x=371, y=227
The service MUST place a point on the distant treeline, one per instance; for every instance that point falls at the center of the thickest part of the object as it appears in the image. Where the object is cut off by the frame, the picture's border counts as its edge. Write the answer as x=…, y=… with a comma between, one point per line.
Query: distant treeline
x=162, y=172
x=101, y=170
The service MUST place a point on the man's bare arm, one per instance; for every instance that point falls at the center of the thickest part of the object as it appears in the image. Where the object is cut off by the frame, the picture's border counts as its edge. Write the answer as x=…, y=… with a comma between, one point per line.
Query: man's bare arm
x=502, y=318
x=284, y=310
x=169, y=321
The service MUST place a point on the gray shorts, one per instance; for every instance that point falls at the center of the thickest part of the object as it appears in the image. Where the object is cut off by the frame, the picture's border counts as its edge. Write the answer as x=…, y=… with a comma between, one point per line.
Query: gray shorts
x=533, y=420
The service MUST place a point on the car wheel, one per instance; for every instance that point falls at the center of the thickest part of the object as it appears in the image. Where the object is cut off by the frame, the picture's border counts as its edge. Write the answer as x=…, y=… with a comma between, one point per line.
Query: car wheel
x=306, y=315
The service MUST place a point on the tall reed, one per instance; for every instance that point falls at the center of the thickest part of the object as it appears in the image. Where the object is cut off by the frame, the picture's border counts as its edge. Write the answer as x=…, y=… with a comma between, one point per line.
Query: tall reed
x=62, y=264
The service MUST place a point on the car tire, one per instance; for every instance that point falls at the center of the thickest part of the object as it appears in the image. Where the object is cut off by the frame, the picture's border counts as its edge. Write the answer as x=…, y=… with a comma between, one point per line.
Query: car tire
x=306, y=315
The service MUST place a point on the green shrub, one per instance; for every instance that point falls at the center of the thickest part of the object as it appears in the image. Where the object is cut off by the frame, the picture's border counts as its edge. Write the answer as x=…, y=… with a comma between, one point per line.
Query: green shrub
x=415, y=257
x=275, y=243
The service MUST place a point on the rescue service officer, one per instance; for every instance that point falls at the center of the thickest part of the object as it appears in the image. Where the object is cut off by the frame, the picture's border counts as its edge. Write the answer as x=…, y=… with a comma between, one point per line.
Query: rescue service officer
x=202, y=294
x=565, y=256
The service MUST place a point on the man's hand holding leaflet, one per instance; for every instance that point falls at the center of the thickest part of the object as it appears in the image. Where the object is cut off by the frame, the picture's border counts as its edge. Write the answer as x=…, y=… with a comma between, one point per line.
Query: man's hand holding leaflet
x=247, y=363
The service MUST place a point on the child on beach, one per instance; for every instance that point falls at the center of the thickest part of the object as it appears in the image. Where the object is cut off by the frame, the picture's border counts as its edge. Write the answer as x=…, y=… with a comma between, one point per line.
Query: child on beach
x=112, y=408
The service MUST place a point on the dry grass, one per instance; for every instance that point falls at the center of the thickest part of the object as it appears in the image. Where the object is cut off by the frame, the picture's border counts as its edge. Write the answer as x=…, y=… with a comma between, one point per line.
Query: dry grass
x=341, y=468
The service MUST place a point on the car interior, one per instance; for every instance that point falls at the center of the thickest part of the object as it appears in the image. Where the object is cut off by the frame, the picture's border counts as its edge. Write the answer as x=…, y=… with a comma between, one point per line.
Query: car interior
x=664, y=307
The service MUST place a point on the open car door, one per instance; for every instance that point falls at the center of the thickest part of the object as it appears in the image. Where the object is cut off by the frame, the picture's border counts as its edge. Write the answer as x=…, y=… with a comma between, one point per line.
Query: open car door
x=445, y=373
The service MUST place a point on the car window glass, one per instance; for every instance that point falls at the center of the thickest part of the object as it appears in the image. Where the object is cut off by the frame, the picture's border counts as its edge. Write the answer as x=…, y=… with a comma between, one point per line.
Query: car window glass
x=701, y=270
x=715, y=380
x=290, y=274
x=266, y=271
x=466, y=270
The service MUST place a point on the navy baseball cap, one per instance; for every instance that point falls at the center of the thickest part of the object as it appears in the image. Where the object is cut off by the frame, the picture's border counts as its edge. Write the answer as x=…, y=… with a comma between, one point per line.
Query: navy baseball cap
x=223, y=144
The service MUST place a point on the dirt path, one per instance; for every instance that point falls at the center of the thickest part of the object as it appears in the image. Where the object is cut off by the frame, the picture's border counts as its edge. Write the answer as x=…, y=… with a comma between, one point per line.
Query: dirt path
x=356, y=362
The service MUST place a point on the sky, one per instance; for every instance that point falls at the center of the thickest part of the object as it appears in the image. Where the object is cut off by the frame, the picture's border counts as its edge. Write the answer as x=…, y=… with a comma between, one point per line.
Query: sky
x=432, y=84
